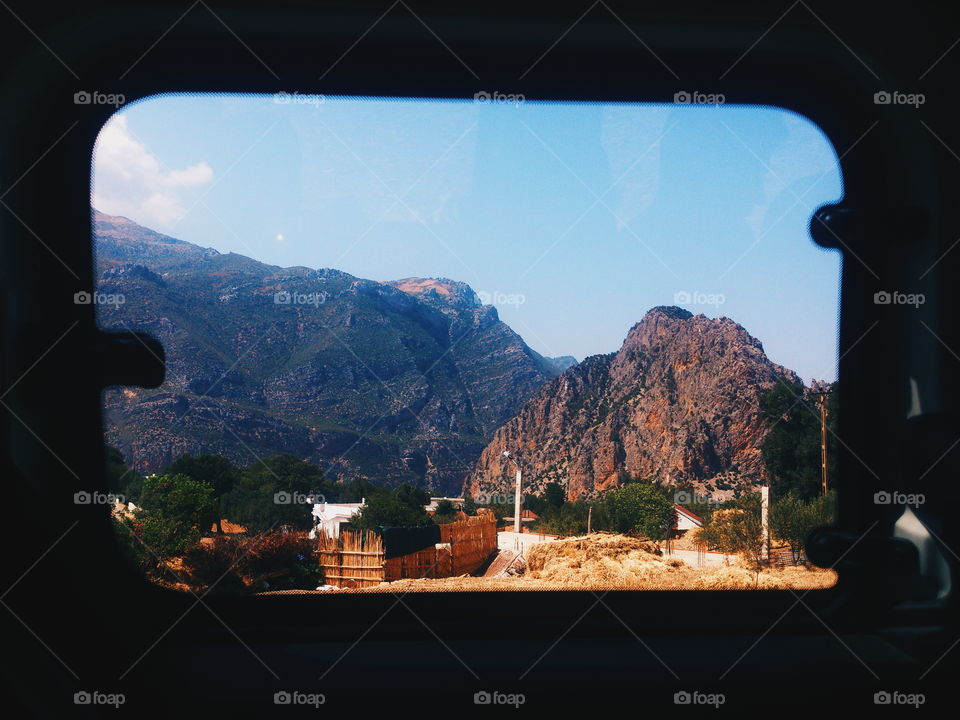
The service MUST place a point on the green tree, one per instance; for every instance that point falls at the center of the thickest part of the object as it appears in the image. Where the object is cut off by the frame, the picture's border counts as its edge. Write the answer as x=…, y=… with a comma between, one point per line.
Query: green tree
x=119, y=477
x=215, y=470
x=791, y=449
x=290, y=473
x=536, y=503
x=445, y=512
x=736, y=528
x=792, y=519
x=180, y=498
x=566, y=520
x=279, y=490
x=554, y=495
x=148, y=538
x=351, y=492
x=641, y=508
x=412, y=496
x=387, y=509
x=174, y=510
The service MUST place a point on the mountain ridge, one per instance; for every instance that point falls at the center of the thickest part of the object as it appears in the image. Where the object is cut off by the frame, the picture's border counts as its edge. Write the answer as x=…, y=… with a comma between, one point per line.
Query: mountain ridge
x=415, y=380
x=367, y=379
x=679, y=401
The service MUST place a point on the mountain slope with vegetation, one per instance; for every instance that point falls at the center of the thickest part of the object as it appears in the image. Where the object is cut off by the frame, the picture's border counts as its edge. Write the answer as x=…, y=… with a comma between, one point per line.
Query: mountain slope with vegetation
x=680, y=402
x=401, y=382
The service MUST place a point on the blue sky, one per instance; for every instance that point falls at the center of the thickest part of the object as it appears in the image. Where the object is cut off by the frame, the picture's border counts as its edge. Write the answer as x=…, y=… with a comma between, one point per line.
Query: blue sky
x=574, y=219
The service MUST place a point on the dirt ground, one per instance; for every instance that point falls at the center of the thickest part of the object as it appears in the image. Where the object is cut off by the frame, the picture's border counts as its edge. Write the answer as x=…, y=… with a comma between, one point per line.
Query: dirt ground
x=603, y=561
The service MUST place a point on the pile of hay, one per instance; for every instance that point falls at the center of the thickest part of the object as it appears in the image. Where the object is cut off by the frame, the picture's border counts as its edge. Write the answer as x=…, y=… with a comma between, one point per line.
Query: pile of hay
x=601, y=558
x=617, y=561
x=605, y=561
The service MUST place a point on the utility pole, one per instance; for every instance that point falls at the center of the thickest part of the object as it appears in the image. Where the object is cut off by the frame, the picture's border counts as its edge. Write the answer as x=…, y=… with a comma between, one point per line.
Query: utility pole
x=765, y=521
x=822, y=404
x=589, y=519
x=516, y=498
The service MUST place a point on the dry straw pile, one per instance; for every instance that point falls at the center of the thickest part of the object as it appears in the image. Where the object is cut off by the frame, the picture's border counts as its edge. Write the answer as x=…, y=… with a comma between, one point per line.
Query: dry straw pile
x=604, y=561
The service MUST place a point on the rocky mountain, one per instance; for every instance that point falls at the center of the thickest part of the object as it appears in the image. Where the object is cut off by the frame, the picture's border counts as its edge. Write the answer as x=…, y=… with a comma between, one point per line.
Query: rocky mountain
x=678, y=401
x=405, y=381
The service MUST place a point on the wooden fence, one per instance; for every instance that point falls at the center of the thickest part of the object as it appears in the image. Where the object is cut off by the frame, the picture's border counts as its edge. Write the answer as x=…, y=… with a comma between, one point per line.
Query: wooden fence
x=357, y=559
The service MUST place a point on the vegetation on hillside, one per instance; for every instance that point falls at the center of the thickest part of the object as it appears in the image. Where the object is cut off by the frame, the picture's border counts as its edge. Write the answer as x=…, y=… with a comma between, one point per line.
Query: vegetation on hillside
x=791, y=449
x=402, y=507
x=187, y=502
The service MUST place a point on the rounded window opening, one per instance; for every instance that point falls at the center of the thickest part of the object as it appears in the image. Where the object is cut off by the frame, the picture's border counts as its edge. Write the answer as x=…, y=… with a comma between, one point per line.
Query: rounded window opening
x=463, y=341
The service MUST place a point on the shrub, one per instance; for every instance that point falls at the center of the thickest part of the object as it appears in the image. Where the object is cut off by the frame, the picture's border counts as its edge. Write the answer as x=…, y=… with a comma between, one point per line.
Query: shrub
x=736, y=528
x=175, y=509
x=276, y=559
x=792, y=520
x=253, y=501
x=389, y=509
x=638, y=508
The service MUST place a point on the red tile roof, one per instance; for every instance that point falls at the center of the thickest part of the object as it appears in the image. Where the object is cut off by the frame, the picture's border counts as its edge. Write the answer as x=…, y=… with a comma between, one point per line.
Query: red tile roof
x=688, y=513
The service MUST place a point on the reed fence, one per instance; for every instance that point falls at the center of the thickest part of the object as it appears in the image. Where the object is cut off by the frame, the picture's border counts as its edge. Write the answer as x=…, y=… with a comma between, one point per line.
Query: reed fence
x=357, y=559
x=472, y=541
x=354, y=559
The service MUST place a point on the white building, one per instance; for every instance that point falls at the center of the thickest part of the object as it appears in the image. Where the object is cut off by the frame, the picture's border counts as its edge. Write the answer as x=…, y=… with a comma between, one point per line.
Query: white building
x=330, y=516
x=434, y=501
x=685, y=519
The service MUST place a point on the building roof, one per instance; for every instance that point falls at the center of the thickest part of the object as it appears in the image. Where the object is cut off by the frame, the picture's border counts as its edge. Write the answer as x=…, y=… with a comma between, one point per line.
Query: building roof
x=689, y=513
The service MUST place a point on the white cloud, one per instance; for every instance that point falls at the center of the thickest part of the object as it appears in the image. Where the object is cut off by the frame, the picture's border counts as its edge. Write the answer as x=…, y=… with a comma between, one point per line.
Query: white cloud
x=129, y=180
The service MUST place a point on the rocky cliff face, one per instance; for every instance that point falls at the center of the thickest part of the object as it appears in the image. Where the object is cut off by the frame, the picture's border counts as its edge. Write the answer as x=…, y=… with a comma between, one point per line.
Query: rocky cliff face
x=394, y=382
x=679, y=401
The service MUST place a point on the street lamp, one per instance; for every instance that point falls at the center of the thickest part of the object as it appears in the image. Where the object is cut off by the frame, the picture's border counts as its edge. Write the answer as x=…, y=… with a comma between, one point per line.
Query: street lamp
x=516, y=498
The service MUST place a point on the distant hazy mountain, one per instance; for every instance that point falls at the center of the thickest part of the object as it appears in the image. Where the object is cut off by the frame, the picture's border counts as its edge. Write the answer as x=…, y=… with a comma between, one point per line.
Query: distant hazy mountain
x=678, y=401
x=563, y=362
x=404, y=381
